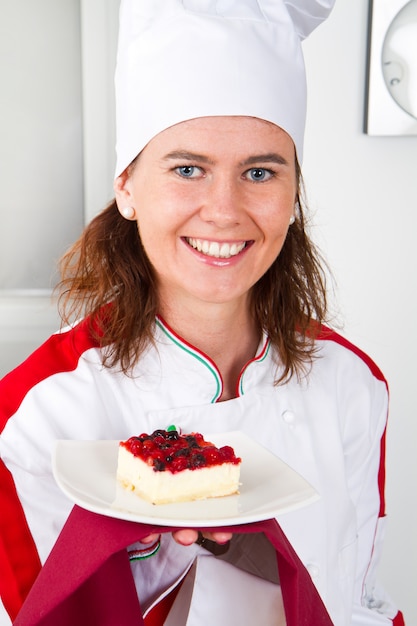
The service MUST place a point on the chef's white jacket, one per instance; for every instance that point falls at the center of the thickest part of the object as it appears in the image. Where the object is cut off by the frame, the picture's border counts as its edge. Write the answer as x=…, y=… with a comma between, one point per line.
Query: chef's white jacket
x=329, y=426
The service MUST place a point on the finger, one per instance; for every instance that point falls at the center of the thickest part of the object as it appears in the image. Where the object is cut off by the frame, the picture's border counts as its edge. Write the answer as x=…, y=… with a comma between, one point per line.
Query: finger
x=219, y=537
x=185, y=536
x=150, y=538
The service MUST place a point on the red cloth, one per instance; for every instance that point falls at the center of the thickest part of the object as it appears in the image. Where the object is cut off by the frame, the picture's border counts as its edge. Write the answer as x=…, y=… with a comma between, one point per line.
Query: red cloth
x=87, y=578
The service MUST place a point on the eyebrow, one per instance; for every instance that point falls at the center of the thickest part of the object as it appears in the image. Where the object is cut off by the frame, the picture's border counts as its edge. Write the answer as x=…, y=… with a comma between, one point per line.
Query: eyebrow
x=270, y=157
x=184, y=155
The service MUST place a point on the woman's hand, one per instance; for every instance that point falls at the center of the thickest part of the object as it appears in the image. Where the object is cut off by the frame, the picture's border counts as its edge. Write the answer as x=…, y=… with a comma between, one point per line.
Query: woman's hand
x=188, y=536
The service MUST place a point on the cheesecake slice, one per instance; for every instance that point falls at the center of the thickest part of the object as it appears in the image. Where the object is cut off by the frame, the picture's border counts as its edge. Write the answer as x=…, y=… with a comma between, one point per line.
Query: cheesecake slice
x=166, y=467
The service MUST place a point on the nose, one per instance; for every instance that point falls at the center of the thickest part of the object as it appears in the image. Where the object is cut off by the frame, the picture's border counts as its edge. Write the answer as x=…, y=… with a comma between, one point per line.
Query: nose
x=223, y=202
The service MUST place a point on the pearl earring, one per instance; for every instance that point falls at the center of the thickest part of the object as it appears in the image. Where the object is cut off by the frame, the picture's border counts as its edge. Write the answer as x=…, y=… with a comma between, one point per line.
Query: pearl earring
x=128, y=212
x=296, y=209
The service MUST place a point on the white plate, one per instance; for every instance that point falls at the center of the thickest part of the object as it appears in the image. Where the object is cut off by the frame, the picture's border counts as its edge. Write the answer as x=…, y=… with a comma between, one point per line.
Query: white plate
x=86, y=473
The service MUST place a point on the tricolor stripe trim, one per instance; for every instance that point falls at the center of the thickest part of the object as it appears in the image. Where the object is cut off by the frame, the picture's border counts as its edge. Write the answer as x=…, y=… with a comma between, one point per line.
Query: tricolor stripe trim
x=144, y=553
x=194, y=352
x=257, y=359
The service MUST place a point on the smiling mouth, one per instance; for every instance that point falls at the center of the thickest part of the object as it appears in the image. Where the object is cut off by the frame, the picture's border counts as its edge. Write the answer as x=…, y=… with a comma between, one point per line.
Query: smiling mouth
x=215, y=249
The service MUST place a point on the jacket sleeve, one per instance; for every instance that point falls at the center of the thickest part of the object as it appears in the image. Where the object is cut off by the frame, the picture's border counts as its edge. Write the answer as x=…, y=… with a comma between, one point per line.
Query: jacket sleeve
x=19, y=559
x=27, y=423
x=365, y=462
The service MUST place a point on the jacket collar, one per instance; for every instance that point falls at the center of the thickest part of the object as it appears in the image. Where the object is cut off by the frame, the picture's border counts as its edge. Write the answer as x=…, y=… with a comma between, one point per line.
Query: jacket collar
x=260, y=369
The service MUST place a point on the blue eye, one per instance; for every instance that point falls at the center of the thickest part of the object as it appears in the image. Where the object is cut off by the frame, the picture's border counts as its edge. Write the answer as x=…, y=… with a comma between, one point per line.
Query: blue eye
x=258, y=174
x=188, y=171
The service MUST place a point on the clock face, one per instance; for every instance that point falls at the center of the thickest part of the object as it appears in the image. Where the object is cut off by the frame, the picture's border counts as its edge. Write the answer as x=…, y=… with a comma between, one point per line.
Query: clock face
x=398, y=58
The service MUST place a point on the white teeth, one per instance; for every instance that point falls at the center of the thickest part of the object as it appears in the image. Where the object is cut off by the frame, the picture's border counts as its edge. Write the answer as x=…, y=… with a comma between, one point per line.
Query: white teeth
x=213, y=248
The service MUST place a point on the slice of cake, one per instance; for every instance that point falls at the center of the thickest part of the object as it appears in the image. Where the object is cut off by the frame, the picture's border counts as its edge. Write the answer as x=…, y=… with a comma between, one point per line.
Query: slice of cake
x=170, y=467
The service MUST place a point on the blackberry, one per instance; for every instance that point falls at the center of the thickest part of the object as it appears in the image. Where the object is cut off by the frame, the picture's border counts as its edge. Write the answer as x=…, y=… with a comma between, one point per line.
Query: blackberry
x=159, y=433
x=182, y=452
x=198, y=460
x=192, y=442
x=159, y=465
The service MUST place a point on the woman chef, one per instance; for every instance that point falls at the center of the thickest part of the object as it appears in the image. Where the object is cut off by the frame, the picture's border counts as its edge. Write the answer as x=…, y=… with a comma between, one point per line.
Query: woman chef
x=203, y=300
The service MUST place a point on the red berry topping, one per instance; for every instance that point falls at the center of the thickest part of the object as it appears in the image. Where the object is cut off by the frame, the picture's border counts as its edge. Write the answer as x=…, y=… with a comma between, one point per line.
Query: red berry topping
x=168, y=450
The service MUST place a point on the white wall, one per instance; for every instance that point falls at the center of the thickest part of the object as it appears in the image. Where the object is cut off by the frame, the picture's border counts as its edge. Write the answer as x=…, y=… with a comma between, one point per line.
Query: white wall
x=40, y=139
x=61, y=194
x=363, y=194
x=41, y=205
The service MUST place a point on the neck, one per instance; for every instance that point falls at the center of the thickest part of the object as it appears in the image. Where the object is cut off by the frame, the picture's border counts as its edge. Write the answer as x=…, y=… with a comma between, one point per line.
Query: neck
x=225, y=333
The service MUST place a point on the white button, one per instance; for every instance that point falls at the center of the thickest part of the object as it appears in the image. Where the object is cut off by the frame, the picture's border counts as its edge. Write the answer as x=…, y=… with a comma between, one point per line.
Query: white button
x=313, y=570
x=288, y=417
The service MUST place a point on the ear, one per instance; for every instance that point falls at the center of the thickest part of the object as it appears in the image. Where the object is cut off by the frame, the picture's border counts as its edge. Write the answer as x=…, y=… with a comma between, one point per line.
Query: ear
x=122, y=190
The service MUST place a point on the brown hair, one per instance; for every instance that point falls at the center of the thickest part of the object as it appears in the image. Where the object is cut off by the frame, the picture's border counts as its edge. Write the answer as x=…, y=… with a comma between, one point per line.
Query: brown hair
x=108, y=266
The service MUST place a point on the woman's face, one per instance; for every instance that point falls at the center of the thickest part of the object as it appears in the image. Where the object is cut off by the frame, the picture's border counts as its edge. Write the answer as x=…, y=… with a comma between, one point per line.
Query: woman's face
x=213, y=198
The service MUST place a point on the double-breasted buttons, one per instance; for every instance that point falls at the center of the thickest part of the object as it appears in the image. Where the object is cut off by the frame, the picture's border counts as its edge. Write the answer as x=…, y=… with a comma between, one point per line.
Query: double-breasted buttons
x=289, y=417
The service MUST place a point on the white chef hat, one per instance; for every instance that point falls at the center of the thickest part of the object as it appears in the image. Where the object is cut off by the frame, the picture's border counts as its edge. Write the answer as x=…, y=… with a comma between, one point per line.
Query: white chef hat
x=183, y=59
